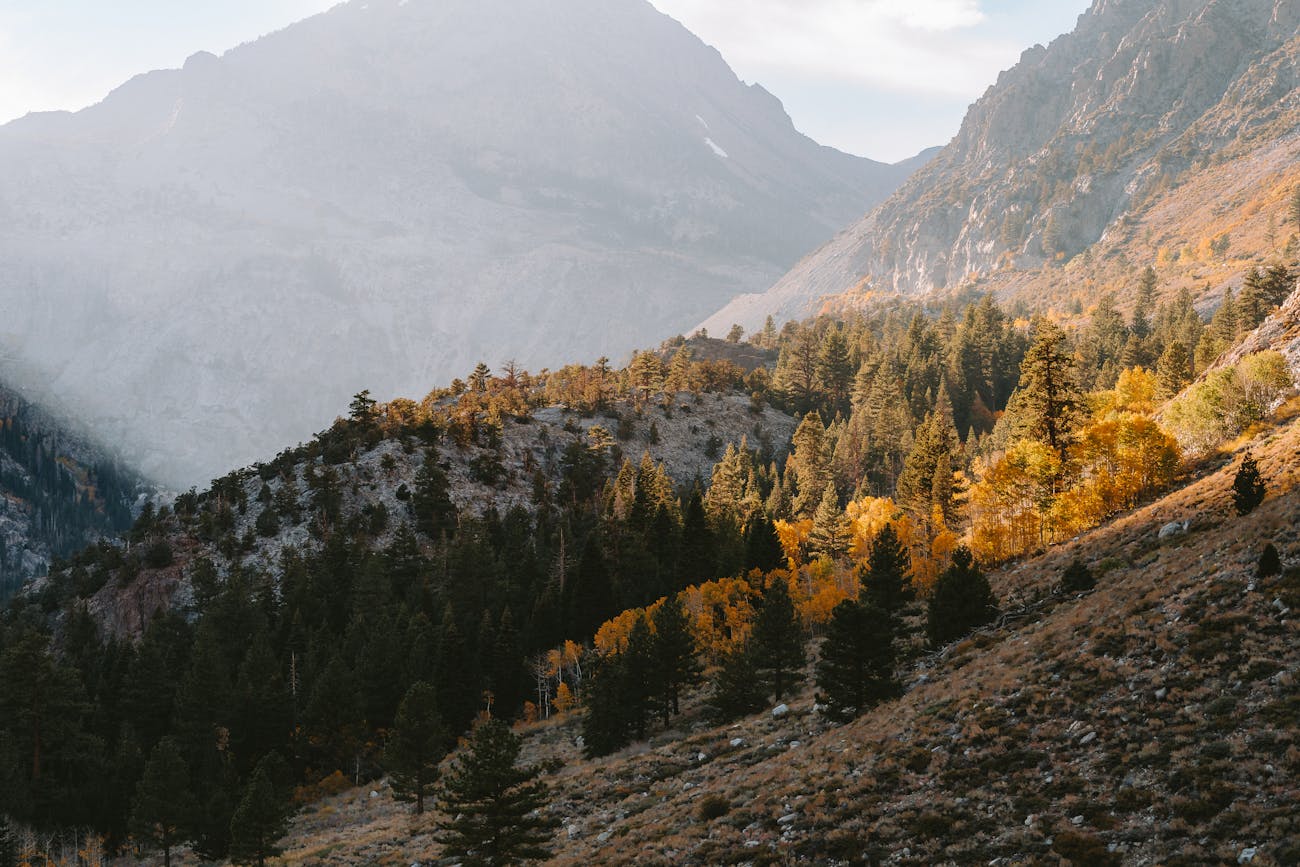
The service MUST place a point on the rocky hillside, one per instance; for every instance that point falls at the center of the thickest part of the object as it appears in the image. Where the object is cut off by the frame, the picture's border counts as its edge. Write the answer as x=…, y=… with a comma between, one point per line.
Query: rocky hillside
x=1153, y=130
x=381, y=196
x=58, y=492
x=378, y=479
x=1152, y=720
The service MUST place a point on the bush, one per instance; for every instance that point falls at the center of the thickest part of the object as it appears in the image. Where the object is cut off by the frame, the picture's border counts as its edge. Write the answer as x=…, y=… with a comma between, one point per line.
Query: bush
x=1270, y=563
x=158, y=555
x=1077, y=578
x=1247, y=486
x=712, y=807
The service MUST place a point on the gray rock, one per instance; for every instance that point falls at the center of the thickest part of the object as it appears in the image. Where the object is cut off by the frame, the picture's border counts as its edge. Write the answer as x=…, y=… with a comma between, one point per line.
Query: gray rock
x=1173, y=529
x=780, y=711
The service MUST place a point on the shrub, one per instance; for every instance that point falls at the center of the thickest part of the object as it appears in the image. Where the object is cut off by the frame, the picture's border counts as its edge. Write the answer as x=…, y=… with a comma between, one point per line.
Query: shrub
x=1270, y=563
x=1247, y=486
x=712, y=807
x=1077, y=578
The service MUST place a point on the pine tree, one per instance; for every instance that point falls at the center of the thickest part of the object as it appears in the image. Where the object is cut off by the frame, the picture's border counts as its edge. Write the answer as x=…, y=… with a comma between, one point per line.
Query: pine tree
x=830, y=532
x=164, y=806
x=763, y=549
x=810, y=465
x=493, y=807
x=1047, y=404
x=961, y=600
x=676, y=664
x=1077, y=578
x=856, y=668
x=887, y=584
x=1173, y=370
x=1270, y=563
x=1247, y=486
x=416, y=745
x=638, y=668
x=737, y=688
x=777, y=640
x=259, y=821
x=430, y=501
x=454, y=686
x=606, y=726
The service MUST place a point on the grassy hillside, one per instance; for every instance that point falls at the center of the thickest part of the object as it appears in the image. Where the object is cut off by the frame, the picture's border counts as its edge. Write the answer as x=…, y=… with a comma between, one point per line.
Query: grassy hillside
x=1153, y=720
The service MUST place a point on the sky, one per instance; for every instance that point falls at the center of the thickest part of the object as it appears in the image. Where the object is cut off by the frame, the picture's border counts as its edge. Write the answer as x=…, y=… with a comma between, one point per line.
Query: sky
x=877, y=78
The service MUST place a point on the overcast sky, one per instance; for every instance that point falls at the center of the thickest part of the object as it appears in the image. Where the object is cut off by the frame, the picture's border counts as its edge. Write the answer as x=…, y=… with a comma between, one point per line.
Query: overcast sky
x=879, y=78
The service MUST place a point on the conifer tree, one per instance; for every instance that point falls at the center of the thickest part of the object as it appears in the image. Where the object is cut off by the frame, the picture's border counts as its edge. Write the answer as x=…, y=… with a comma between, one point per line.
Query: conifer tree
x=856, y=668
x=164, y=806
x=259, y=821
x=961, y=600
x=1173, y=370
x=810, y=464
x=1247, y=486
x=777, y=640
x=887, y=582
x=737, y=687
x=676, y=665
x=606, y=726
x=638, y=668
x=454, y=685
x=416, y=745
x=763, y=549
x=1047, y=404
x=430, y=501
x=493, y=807
x=830, y=532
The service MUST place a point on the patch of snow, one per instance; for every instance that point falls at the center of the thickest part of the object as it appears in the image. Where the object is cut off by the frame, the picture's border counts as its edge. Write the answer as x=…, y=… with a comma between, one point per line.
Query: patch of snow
x=714, y=147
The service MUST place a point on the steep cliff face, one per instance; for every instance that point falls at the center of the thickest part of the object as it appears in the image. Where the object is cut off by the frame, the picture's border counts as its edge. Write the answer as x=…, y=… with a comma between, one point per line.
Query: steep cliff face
x=1077, y=141
x=212, y=259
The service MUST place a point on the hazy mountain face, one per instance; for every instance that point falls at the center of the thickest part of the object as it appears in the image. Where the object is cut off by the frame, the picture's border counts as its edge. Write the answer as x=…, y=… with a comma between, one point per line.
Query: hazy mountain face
x=209, y=262
x=1073, y=143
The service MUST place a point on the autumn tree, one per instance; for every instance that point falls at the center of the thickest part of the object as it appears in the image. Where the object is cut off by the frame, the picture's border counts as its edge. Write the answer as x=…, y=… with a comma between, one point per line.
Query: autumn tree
x=416, y=745
x=1247, y=486
x=493, y=808
x=164, y=805
x=961, y=600
x=856, y=668
x=778, y=640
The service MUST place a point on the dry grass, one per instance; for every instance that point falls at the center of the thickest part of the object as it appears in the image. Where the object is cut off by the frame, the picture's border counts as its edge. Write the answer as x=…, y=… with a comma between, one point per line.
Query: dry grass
x=1153, y=720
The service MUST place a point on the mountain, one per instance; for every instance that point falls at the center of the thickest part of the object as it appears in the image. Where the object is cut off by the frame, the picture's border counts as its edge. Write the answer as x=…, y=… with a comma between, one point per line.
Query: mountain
x=213, y=258
x=58, y=491
x=1153, y=125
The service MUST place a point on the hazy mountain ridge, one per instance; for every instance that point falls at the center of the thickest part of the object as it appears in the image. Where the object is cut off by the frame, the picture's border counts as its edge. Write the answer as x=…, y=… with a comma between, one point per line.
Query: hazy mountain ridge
x=1070, y=149
x=381, y=196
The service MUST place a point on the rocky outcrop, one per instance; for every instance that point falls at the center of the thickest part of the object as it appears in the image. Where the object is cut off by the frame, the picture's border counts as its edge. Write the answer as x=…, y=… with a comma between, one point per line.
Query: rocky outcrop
x=1070, y=143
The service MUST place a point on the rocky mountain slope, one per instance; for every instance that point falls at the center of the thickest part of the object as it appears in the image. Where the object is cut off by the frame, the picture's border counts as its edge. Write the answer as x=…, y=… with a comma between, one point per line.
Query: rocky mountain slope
x=382, y=195
x=685, y=437
x=1153, y=122
x=1152, y=720
x=58, y=492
